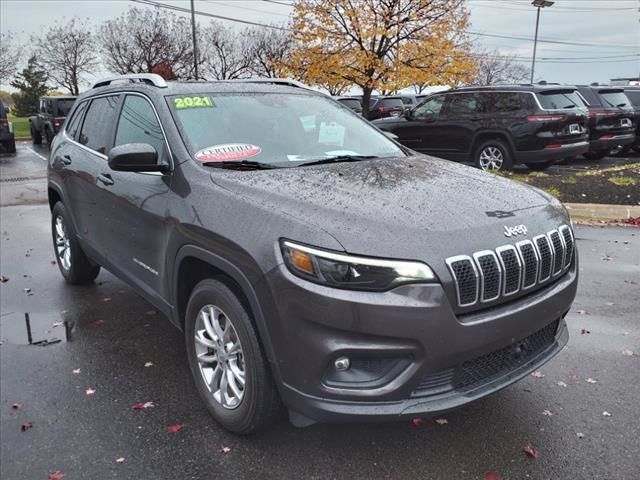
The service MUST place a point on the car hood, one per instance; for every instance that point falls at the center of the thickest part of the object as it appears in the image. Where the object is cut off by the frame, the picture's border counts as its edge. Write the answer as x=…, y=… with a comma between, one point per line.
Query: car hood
x=399, y=207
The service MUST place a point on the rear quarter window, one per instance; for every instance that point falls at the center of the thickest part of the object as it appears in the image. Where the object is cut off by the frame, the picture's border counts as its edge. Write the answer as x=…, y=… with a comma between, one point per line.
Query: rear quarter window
x=73, y=125
x=634, y=96
x=559, y=100
x=391, y=102
x=351, y=103
x=614, y=99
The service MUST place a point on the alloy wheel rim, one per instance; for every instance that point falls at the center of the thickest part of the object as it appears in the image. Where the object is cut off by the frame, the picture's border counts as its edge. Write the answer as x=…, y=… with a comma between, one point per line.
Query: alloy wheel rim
x=220, y=356
x=63, y=246
x=491, y=159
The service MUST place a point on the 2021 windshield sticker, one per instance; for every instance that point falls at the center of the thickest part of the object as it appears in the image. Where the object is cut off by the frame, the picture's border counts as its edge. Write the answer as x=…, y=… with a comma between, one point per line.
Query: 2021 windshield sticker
x=227, y=152
x=193, y=102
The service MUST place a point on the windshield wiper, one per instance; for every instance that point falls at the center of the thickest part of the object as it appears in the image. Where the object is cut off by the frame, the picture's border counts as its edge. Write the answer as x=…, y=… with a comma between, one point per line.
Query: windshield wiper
x=339, y=158
x=241, y=165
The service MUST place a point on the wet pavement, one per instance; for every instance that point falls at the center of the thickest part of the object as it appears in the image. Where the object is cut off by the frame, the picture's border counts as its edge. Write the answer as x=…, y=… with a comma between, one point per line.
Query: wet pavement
x=110, y=333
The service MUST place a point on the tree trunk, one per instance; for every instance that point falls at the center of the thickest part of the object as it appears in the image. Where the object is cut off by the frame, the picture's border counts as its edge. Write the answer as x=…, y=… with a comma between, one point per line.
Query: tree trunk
x=366, y=96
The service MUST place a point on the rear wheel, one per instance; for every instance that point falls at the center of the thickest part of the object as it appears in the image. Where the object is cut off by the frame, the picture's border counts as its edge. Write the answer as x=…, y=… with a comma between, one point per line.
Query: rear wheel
x=596, y=154
x=49, y=134
x=493, y=156
x=36, y=136
x=227, y=363
x=75, y=266
x=624, y=151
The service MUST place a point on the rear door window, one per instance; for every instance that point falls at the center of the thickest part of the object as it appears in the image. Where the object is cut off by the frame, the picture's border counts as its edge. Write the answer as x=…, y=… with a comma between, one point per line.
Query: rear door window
x=138, y=124
x=429, y=108
x=97, y=128
x=559, y=100
x=614, y=98
x=462, y=104
x=74, y=124
x=505, y=102
x=391, y=103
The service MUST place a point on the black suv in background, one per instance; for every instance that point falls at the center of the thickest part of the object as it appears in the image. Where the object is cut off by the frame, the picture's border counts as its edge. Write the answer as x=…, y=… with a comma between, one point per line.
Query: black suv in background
x=633, y=94
x=496, y=127
x=308, y=258
x=7, y=138
x=353, y=103
x=611, y=123
x=52, y=112
x=384, y=107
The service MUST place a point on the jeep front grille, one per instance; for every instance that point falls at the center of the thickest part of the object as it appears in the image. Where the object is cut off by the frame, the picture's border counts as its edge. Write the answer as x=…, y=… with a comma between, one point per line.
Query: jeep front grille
x=488, y=275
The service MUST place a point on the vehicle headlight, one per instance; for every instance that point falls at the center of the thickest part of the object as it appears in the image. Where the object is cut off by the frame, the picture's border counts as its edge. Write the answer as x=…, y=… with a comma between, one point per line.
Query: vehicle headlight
x=352, y=272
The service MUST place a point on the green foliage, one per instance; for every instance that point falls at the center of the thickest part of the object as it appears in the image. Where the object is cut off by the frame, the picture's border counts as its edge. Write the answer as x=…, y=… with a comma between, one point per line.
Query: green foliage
x=21, y=126
x=552, y=191
x=569, y=180
x=623, y=181
x=32, y=84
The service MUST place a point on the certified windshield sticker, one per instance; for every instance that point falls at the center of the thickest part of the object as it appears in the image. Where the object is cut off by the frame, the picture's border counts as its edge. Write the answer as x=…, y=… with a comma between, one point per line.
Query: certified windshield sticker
x=227, y=152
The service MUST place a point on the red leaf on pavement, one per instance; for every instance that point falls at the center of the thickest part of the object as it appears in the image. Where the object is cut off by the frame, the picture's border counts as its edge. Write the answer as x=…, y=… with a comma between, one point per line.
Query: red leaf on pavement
x=140, y=406
x=417, y=421
x=441, y=421
x=492, y=476
x=57, y=475
x=225, y=450
x=530, y=451
x=627, y=353
x=16, y=406
x=176, y=427
x=26, y=426
x=99, y=322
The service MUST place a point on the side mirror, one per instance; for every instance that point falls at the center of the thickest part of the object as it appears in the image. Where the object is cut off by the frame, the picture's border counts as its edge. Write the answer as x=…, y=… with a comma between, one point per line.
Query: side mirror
x=135, y=157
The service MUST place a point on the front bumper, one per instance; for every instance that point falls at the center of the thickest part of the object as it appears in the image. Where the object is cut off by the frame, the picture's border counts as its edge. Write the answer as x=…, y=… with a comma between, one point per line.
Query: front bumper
x=552, y=154
x=312, y=325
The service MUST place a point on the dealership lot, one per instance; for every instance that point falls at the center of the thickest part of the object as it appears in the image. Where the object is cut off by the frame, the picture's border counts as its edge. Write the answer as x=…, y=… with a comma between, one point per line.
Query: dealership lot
x=109, y=333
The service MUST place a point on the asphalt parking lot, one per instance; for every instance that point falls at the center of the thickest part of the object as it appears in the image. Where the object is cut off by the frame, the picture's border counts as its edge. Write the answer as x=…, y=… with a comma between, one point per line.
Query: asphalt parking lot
x=88, y=365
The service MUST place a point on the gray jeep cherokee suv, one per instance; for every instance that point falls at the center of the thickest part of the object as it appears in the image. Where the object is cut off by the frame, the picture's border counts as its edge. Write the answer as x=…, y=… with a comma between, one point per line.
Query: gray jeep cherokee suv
x=310, y=260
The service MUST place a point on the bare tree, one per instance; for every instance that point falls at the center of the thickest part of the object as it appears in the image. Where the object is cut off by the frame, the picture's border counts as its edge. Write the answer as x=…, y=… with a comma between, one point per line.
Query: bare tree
x=140, y=40
x=9, y=56
x=67, y=52
x=268, y=49
x=495, y=68
x=224, y=55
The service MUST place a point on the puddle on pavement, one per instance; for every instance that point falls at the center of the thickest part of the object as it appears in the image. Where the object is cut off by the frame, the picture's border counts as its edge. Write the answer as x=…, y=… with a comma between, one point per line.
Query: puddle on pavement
x=35, y=328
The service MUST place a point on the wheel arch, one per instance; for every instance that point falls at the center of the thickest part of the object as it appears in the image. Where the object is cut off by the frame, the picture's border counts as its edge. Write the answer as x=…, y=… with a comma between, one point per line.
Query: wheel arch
x=487, y=135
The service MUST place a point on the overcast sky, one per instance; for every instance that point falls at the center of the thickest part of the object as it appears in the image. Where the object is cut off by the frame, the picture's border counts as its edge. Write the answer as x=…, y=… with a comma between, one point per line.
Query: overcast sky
x=589, y=40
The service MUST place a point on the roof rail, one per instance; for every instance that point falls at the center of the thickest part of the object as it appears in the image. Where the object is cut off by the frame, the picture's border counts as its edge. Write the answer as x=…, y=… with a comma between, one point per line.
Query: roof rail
x=276, y=81
x=148, y=78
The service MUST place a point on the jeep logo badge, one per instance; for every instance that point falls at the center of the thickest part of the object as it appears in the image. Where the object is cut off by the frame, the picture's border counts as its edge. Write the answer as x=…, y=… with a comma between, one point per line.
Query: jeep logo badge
x=515, y=231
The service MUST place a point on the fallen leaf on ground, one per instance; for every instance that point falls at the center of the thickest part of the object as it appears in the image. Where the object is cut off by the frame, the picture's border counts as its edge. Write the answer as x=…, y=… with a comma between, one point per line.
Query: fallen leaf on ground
x=492, y=476
x=106, y=299
x=530, y=451
x=57, y=475
x=547, y=413
x=441, y=421
x=16, y=406
x=584, y=331
x=627, y=353
x=582, y=312
x=225, y=450
x=631, y=282
x=28, y=291
x=140, y=406
x=150, y=312
x=26, y=426
x=3, y=279
x=591, y=380
x=562, y=384
x=417, y=421
x=606, y=414
x=176, y=427
x=610, y=304
x=607, y=258
x=57, y=324
x=76, y=371
x=53, y=262
x=90, y=391
x=538, y=374
x=99, y=322
x=580, y=435
x=120, y=460
x=148, y=364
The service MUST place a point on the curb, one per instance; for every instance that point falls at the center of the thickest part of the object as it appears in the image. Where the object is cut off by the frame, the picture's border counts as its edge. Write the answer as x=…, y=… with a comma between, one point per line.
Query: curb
x=595, y=212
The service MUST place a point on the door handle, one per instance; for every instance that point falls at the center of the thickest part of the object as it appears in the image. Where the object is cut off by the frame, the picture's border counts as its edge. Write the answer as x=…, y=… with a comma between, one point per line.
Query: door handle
x=66, y=159
x=105, y=179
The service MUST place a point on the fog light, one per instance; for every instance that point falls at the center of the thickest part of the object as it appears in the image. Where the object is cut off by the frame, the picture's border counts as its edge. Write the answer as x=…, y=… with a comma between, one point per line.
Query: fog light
x=342, y=364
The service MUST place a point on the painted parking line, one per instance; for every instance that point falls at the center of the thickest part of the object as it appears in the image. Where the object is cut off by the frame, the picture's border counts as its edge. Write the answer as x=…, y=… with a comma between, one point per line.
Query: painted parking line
x=42, y=157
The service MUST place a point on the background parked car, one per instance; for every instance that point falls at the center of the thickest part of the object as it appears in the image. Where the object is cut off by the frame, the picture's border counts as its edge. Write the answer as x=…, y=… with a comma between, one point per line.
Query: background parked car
x=497, y=127
x=633, y=94
x=351, y=102
x=7, y=139
x=383, y=107
x=610, y=119
x=52, y=112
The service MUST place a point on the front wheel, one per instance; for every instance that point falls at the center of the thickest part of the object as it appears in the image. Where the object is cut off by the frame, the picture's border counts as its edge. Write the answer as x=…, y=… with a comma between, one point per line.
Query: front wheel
x=493, y=156
x=227, y=363
x=74, y=265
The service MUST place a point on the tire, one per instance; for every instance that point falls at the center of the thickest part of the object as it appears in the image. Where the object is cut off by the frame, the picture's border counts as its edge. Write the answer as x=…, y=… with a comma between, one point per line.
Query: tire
x=492, y=152
x=596, y=155
x=538, y=167
x=36, y=136
x=636, y=149
x=624, y=151
x=257, y=405
x=8, y=147
x=49, y=136
x=74, y=265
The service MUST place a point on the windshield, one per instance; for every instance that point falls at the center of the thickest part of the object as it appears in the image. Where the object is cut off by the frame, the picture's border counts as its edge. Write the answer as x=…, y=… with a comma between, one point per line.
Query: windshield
x=560, y=100
x=64, y=106
x=614, y=99
x=274, y=128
